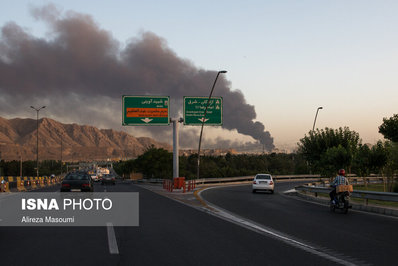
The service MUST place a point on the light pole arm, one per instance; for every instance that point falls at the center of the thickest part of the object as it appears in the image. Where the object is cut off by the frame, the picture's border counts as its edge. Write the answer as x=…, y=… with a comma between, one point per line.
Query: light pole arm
x=316, y=115
x=203, y=120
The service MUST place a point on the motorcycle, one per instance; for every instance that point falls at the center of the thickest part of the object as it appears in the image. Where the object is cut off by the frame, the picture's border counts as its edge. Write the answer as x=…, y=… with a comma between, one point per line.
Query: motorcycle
x=341, y=201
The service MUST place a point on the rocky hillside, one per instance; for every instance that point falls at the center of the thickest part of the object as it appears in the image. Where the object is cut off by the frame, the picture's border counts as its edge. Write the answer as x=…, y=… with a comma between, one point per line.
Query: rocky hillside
x=18, y=137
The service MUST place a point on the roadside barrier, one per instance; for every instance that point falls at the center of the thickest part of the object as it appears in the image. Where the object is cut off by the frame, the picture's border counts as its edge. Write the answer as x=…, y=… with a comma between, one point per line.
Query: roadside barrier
x=360, y=194
x=41, y=182
x=12, y=185
x=168, y=185
x=250, y=178
x=179, y=183
x=191, y=185
x=20, y=184
x=4, y=187
x=27, y=183
x=33, y=183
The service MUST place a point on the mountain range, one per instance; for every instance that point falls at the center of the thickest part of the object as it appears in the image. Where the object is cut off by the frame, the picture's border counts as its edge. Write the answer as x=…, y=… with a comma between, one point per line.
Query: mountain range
x=18, y=137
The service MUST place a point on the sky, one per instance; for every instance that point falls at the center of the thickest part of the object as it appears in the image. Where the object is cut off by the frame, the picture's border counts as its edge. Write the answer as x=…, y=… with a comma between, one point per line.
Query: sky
x=284, y=60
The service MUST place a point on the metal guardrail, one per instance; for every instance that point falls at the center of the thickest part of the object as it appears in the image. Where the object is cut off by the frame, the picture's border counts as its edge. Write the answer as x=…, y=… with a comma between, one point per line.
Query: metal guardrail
x=250, y=178
x=353, y=179
x=360, y=194
x=233, y=179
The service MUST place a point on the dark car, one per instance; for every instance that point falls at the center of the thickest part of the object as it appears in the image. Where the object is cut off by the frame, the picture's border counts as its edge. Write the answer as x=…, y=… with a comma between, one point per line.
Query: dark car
x=77, y=181
x=110, y=179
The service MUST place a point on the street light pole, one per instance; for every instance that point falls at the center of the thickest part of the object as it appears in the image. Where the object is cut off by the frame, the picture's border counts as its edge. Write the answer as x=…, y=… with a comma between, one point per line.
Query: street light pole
x=37, y=139
x=317, y=110
x=204, y=118
x=61, y=153
x=20, y=165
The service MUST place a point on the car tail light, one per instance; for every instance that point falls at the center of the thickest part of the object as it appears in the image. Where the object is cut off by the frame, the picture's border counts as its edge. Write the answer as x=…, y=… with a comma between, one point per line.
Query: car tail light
x=271, y=182
x=66, y=185
x=86, y=185
x=254, y=182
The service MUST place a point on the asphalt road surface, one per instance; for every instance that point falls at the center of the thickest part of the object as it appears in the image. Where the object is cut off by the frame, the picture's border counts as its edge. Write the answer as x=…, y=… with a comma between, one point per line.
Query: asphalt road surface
x=170, y=233
x=357, y=237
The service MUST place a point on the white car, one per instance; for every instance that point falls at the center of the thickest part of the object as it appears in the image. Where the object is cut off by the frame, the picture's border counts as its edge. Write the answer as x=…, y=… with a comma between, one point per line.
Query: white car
x=263, y=182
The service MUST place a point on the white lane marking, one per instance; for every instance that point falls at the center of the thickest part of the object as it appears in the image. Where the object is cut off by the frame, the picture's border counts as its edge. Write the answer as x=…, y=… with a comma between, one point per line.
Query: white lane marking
x=231, y=217
x=112, y=243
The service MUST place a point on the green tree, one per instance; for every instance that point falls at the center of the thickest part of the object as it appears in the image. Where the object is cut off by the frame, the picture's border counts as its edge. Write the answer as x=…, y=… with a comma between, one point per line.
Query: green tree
x=391, y=167
x=333, y=159
x=314, y=146
x=362, y=160
x=155, y=163
x=124, y=168
x=389, y=128
x=378, y=157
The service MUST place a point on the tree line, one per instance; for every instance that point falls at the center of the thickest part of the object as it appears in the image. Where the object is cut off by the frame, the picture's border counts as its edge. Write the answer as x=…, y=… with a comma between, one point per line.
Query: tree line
x=158, y=163
x=46, y=168
x=320, y=151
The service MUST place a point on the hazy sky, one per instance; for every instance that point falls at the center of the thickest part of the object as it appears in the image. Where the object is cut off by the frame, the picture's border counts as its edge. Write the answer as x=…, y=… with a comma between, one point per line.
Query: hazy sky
x=286, y=57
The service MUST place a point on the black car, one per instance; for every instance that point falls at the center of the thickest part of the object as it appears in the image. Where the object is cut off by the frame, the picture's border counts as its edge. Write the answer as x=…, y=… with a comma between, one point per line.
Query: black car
x=77, y=181
x=109, y=178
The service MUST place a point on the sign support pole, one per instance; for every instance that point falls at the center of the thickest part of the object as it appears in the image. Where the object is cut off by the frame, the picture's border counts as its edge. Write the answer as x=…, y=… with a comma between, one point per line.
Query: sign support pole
x=176, y=147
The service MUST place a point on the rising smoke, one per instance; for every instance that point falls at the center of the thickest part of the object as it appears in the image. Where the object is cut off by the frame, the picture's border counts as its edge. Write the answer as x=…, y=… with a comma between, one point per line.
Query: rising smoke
x=80, y=71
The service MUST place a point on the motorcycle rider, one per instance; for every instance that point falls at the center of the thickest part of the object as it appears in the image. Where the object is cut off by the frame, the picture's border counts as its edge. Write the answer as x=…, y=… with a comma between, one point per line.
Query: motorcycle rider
x=339, y=180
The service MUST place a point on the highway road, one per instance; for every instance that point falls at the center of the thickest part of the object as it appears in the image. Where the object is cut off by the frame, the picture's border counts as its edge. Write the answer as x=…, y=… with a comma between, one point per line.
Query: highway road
x=357, y=237
x=170, y=233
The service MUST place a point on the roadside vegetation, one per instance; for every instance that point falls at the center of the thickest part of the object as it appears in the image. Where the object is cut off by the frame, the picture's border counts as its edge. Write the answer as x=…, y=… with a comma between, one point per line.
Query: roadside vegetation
x=157, y=163
x=322, y=151
x=46, y=168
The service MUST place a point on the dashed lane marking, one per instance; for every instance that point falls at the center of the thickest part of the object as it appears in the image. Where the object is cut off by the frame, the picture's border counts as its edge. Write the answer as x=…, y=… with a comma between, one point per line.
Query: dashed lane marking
x=112, y=243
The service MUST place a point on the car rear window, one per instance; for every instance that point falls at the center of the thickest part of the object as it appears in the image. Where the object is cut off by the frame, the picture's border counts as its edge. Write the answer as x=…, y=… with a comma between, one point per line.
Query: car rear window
x=266, y=177
x=76, y=177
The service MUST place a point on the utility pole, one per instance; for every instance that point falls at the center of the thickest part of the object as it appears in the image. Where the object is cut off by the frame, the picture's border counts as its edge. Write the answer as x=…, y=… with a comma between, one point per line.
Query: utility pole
x=176, y=165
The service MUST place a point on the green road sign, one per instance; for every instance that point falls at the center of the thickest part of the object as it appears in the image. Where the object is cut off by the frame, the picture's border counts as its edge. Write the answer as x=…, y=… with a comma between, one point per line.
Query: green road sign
x=194, y=110
x=145, y=110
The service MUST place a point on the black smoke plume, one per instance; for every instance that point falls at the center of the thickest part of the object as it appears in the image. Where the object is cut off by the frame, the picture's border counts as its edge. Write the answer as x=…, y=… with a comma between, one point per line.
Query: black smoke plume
x=80, y=72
